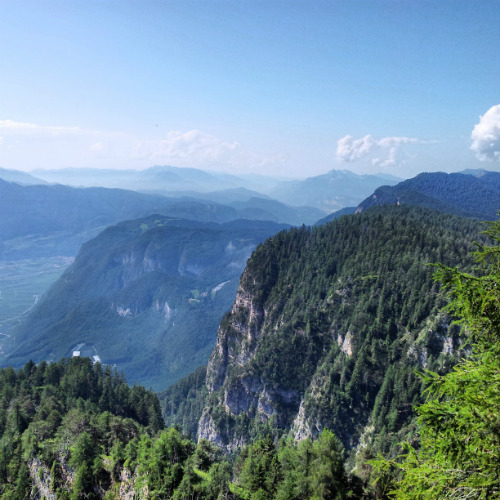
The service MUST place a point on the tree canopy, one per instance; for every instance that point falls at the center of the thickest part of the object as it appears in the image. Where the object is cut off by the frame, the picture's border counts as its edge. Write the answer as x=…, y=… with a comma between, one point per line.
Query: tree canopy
x=459, y=455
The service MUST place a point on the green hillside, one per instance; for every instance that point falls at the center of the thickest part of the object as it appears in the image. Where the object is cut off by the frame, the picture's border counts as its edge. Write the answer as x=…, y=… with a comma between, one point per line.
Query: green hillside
x=145, y=295
x=469, y=194
x=329, y=327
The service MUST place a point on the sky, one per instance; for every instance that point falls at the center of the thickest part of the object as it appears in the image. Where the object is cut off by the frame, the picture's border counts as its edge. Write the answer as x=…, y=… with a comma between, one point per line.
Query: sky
x=286, y=88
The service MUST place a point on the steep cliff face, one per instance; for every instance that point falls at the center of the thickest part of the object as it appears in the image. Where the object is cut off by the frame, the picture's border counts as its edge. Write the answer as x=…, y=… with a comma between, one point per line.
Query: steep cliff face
x=147, y=294
x=329, y=325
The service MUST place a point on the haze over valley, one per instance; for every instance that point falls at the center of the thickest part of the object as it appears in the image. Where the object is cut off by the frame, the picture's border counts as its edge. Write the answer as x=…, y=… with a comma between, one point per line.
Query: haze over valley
x=249, y=250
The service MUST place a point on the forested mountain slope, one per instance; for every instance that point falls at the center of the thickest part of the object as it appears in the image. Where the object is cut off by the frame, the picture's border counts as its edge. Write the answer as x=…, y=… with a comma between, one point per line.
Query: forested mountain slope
x=329, y=326
x=146, y=295
x=73, y=430
x=468, y=194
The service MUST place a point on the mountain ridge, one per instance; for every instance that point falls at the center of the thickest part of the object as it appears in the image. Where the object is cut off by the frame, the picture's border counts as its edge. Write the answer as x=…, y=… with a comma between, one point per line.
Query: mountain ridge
x=318, y=315
x=148, y=294
x=469, y=194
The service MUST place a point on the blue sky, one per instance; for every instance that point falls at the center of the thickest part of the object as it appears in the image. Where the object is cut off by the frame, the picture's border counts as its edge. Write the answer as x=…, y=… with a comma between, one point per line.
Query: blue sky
x=291, y=88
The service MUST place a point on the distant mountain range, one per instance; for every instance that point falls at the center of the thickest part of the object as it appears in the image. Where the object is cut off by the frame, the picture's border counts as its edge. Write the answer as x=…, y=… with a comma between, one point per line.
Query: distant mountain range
x=19, y=177
x=46, y=220
x=469, y=194
x=327, y=192
x=158, y=179
x=145, y=295
x=332, y=191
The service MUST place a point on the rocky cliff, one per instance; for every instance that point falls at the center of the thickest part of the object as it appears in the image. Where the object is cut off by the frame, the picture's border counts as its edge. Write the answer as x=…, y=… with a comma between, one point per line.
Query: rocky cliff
x=147, y=294
x=329, y=326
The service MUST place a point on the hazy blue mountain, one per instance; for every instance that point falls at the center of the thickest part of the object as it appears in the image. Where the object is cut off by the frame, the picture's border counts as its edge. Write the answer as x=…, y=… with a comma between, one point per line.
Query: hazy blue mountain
x=160, y=179
x=336, y=215
x=19, y=177
x=252, y=205
x=476, y=172
x=146, y=295
x=259, y=208
x=42, y=220
x=332, y=191
x=47, y=220
x=226, y=196
x=475, y=194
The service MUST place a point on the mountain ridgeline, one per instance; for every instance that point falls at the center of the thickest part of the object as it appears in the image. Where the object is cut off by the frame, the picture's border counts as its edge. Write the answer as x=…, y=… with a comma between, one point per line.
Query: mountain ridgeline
x=145, y=295
x=327, y=331
x=473, y=193
x=52, y=220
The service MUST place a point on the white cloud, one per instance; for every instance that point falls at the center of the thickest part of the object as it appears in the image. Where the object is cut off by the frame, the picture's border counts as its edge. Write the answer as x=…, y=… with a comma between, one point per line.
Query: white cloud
x=192, y=146
x=27, y=146
x=199, y=149
x=97, y=147
x=384, y=152
x=486, y=135
x=350, y=149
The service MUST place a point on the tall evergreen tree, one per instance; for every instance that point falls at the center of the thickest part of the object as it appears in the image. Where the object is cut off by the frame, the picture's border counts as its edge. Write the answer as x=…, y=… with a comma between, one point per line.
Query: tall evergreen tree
x=459, y=456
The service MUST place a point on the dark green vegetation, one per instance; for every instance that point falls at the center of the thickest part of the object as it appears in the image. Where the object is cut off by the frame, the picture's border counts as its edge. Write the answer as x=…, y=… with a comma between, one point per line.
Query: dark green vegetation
x=70, y=430
x=329, y=327
x=67, y=417
x=459, y=451
x=474, y=193
x=75, y=430
x=146, y=295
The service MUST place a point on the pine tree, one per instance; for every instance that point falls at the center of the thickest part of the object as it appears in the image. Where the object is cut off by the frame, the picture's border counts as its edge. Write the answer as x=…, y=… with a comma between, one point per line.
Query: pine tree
x=459, y=456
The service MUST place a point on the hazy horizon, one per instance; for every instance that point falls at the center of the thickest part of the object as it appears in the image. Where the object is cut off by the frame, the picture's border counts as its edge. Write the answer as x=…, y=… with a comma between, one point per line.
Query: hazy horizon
x=287, y=89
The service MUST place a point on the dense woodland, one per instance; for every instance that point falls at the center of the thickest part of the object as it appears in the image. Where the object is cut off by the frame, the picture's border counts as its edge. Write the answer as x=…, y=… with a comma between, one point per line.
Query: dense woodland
x=457, y=193
x=344, y=316
x=76, y=430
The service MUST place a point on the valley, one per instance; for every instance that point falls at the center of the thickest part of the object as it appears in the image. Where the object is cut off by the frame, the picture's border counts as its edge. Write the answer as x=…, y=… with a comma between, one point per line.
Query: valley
x=22, y=283
x=250, y=250
x=261, y=338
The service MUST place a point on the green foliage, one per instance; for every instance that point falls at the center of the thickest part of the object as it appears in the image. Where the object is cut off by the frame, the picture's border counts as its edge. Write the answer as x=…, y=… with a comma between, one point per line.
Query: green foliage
x=128, y=281
x=105, y=439
x=456, y=193
x=183, y=402
x=459, y=455
x=342, y=315
x=71, y=413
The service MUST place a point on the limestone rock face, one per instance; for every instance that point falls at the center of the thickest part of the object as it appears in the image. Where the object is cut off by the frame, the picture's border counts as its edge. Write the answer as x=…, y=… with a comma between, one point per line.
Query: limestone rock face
x=327, y=328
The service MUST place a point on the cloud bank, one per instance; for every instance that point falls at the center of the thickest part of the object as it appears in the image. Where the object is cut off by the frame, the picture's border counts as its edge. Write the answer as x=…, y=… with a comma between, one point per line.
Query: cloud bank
x=27, y=146
x=486, y=136
x=193, y=147
x=383, y=152
x=198, y=149
x=11, y=127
